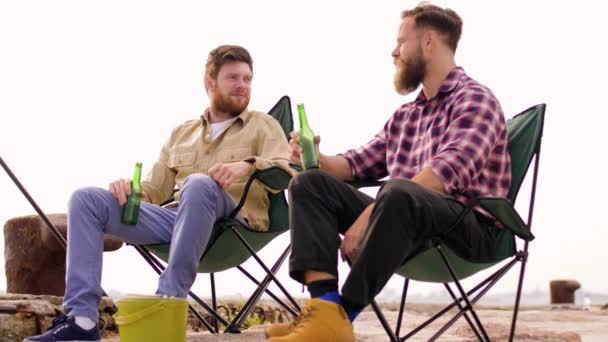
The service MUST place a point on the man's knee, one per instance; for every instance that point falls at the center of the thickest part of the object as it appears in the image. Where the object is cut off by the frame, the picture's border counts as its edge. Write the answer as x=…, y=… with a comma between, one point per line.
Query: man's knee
x=399, y=190
x=309, y=179
x=200, y=184
x=87, y=197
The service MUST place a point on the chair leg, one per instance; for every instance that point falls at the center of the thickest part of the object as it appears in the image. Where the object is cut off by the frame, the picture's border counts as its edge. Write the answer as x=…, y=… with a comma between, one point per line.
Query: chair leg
x=384, y=322
x=492, y=280
x=469, y=306
x=214, y=299
x=523, y=258
x=237, y=321
x=402, y=306
x=463, y=310
x=488, y=283
x=268, y=292
x=268, y=272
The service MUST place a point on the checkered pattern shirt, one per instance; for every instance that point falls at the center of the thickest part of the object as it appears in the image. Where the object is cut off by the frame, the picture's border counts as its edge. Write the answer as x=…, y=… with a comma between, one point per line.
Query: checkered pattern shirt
x=460, y=134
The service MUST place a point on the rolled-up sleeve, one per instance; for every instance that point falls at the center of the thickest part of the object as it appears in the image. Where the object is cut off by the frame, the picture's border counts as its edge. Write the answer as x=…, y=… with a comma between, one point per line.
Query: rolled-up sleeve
x=369, y=160
x=476, y=121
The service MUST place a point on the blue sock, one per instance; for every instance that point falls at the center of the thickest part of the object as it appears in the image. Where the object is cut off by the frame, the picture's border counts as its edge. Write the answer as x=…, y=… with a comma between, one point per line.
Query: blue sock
x=352, y=315
x=332, y=296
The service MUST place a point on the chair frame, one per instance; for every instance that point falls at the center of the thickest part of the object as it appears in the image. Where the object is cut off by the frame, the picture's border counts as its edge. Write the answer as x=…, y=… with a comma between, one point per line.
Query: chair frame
x=484, y=286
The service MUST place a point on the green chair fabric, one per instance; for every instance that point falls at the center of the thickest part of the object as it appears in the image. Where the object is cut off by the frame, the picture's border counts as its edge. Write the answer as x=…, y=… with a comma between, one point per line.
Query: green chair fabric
x=225, y=250
x=524, y=135
x=525, y=132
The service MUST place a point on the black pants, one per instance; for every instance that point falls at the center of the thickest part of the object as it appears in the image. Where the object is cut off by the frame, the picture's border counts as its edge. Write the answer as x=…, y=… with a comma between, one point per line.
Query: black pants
x=405, y=217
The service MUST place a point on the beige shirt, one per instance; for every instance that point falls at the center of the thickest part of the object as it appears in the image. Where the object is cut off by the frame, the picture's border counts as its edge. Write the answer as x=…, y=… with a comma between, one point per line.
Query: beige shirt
x=254, y=136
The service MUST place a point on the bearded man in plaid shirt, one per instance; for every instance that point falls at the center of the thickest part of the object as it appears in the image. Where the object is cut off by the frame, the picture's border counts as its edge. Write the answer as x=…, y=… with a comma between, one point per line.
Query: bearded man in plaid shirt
x=439, y=152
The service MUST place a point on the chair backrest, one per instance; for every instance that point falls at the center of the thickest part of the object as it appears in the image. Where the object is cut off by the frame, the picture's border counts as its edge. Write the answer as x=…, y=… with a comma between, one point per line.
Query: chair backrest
x=278, y=211
x=525, y=131
x=281, y=111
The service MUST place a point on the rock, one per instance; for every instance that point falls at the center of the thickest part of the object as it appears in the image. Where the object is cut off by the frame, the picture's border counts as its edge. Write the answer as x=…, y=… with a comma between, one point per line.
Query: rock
x=35, y=261
x=264, y=312
x=27, y=315
x=562, y=291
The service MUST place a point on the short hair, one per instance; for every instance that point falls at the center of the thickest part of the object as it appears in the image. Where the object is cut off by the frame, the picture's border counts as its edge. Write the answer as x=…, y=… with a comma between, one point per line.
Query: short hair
x=225, y=54
x=444, y=20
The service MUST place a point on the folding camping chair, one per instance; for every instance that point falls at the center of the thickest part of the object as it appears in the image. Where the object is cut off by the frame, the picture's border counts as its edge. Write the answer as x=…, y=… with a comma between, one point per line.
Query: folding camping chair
x=232, y=243
x=437, y=263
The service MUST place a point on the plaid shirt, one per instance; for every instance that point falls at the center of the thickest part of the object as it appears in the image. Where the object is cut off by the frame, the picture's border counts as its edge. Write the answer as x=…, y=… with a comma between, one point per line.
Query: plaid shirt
x=460, y=134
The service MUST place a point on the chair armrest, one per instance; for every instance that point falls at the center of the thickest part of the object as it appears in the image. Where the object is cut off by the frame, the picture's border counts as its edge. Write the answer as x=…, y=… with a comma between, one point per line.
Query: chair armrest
x=504, y=212
x=273, y=177
x=296, y=167
x=170, y=199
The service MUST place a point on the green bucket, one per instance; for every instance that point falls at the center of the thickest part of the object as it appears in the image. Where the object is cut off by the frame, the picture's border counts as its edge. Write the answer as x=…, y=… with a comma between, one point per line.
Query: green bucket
x=151, y=318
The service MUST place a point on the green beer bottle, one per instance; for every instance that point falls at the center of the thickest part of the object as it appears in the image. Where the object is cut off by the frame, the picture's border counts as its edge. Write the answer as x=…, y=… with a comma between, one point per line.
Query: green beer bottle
x=130, y=211
x=309, y=155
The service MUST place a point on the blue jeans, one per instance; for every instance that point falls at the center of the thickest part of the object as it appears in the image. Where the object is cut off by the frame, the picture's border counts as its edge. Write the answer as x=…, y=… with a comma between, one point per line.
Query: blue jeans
x=94, y=211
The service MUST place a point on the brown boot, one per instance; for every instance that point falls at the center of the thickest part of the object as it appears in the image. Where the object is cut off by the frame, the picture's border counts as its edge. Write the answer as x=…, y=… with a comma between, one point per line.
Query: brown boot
x=319, y=321
x=282, y=329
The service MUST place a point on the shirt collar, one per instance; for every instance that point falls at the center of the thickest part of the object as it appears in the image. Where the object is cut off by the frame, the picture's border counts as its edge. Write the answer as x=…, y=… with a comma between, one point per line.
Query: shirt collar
x=243, y=117
x=450, y=83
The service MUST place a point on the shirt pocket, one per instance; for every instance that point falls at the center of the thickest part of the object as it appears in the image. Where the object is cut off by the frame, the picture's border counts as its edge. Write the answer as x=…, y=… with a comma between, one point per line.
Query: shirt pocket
x=234, y=154
x=182, y=161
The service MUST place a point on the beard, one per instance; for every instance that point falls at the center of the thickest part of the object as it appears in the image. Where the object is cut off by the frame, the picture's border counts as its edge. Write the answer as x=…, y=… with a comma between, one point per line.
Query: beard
x=227, y=104
x=410, y=74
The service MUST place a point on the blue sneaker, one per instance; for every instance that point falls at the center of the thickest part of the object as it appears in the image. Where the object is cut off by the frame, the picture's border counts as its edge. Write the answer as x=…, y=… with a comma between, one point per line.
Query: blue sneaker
x=65, y=329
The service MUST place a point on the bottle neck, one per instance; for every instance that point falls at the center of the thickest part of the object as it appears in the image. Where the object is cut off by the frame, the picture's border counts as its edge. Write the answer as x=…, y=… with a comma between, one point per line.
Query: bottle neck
x=136, y=181
x=302, y=116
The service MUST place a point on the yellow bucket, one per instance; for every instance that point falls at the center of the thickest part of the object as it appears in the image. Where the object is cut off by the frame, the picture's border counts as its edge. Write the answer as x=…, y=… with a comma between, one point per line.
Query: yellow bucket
x=151, y=318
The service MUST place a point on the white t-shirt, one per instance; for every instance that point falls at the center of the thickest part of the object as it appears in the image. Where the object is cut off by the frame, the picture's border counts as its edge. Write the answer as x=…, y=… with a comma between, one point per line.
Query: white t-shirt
x=218, y=128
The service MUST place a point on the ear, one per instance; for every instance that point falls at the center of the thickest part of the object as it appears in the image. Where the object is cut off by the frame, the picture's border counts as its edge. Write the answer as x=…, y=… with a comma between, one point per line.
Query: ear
x=428, y=39
x=209, y=83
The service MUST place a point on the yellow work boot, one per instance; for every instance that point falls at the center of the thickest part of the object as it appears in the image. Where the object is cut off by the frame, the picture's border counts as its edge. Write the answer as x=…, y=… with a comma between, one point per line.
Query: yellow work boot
x=320, y=321
x=281, y=329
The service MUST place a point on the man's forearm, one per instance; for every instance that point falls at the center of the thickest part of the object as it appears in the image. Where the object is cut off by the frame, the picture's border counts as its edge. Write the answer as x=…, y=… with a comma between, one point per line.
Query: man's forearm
x=337, y=166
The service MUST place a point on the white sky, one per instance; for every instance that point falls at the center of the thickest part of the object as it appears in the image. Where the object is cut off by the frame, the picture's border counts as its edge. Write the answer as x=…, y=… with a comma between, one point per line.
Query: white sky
x=88, y=88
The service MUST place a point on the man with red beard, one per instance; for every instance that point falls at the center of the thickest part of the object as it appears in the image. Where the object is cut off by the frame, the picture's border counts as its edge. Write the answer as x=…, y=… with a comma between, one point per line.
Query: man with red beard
x=439, y=151
x=209, y=160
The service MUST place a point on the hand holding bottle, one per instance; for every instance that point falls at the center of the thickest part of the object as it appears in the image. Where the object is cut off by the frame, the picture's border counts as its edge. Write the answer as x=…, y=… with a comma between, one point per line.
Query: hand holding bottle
x=130, y=210
x=295, y=149
x=309, y=154
x=120, y=189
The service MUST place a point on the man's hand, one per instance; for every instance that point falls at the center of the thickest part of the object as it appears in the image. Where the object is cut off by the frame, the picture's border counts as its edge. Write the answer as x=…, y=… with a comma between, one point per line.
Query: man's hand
x=120, y=189
x=225, y=174
x=354, y=235
x=295, y=149
x=429, y=179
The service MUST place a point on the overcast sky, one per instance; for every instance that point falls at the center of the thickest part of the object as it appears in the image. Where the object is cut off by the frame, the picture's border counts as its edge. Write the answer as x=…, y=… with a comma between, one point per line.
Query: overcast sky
x=88, y=88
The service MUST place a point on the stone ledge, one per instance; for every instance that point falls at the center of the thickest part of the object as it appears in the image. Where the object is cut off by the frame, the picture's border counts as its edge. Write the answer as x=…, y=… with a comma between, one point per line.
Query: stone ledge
x=24, y=315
